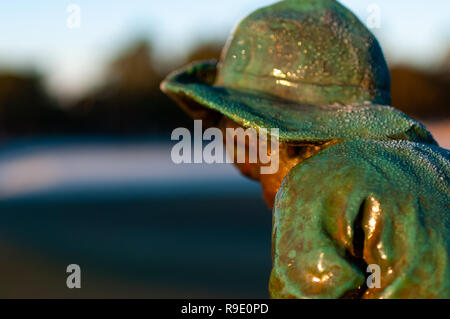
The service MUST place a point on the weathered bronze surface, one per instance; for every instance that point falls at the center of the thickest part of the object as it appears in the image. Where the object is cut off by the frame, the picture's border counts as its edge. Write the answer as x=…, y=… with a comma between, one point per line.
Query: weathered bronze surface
x=359, y=182
x=364, y=202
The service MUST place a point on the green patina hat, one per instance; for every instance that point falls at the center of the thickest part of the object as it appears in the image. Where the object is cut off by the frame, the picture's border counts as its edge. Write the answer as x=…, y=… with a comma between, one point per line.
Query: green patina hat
x=307, y=67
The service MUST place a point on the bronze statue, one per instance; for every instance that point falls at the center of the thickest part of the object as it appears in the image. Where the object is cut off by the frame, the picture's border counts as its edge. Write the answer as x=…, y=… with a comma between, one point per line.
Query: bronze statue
x=359, y=183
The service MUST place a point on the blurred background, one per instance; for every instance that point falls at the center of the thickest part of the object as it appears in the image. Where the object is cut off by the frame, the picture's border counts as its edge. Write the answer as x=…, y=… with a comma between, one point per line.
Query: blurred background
x=85, y=171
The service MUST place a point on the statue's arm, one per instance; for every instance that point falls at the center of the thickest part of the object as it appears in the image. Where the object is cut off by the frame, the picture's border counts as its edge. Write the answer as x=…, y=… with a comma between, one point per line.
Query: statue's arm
x=361, y=203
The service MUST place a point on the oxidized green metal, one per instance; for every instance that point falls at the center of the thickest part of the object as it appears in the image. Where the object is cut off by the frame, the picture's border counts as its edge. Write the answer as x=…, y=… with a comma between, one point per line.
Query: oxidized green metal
x=377, y=193
x=311, y=52
x=364, y=202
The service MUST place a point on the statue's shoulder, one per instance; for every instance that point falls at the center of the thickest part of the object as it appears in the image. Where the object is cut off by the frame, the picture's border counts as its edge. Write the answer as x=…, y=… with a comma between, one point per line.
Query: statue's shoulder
x=384, y=155
x=381, y=167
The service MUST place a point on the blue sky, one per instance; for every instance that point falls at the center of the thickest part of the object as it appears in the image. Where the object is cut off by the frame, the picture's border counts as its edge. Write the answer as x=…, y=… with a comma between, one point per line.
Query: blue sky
x=34, y=33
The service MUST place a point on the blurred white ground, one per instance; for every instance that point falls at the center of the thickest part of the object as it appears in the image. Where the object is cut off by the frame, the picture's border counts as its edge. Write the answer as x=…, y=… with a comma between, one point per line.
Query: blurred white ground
x=42, y=168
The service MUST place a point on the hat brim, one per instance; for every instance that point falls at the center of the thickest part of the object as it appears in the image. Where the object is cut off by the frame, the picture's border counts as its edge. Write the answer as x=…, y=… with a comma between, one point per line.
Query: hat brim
x=193, y=86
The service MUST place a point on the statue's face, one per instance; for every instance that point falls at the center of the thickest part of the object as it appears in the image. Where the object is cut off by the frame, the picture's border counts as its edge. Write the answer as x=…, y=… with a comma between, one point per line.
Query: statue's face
x=289, y=156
